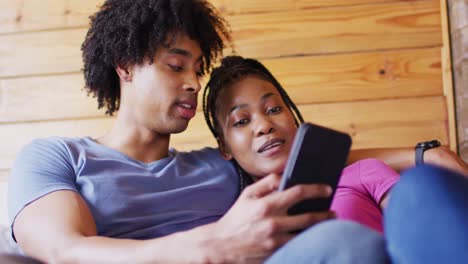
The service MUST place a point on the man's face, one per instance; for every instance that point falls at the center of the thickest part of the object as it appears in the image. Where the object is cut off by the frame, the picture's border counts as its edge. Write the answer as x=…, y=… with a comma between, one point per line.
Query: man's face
x=164, y=93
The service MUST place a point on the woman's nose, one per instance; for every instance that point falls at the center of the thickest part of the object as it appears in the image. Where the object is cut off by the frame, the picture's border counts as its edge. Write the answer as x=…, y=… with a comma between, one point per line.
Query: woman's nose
x=264, y=127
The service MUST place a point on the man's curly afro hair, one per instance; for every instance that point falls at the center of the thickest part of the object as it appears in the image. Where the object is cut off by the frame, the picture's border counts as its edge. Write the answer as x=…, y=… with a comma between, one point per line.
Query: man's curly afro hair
x=126, y=32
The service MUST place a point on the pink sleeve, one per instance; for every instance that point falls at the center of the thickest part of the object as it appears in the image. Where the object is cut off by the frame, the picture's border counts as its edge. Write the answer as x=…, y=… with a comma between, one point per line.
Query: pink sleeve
x=377, y=177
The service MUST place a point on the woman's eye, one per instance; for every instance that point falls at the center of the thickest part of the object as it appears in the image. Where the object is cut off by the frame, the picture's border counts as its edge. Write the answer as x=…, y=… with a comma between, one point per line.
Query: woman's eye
x=241, y=122
x=175, y=68
x=274, y=110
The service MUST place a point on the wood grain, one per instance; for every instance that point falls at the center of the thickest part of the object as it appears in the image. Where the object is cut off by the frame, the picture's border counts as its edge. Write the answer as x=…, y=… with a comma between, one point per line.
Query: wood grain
x=380, y=123
x=22, y=15
x=45, y=98
x=447, y=77
x=289, y=33
x=38, y=15
x=370, y=68
x=48, y=52
x=360, y=76
x=314, y=79
x=345, y=29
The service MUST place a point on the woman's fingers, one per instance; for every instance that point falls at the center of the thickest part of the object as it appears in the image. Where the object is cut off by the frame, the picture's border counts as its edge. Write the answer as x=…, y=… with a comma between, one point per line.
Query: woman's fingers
x=262, y=187
x=289, y=197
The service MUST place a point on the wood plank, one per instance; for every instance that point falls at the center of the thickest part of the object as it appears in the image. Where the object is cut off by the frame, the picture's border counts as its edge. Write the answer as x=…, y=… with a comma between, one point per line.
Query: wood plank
x=381, y=123
x=24, y=15
x=20, y=15
x=266, y=6
x=41, y=53
x=46, y=98
x=356, y=28
x=345, y=29
x=360, y=76
x=314, y=79
x=448, y=76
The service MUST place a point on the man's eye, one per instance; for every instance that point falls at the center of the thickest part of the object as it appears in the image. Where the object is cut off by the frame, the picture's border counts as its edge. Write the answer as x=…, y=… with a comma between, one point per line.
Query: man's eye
x=274, y=110
x=175, y=68
x=241, y=122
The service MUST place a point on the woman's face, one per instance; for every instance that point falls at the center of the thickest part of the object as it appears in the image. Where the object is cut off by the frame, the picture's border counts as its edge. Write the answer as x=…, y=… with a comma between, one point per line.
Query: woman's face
x=257, y=127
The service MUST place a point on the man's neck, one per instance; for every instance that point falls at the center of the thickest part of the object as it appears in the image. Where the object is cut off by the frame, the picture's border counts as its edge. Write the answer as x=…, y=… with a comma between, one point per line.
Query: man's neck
x=139, y=144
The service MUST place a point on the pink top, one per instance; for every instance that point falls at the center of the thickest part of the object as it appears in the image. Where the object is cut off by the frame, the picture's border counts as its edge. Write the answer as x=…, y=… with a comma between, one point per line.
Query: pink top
x=360, y=190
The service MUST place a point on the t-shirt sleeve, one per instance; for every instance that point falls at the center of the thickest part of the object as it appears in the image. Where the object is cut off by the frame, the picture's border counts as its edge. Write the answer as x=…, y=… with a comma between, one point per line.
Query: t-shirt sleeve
x=377, y=177
x=41, y=167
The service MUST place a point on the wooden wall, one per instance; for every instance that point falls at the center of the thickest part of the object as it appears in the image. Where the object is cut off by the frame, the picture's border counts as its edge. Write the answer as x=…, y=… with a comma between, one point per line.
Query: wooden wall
x=373, y=68
x=458, y=13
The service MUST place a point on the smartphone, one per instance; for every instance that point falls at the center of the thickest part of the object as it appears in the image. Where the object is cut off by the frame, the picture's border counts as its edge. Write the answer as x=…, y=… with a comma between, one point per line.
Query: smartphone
x=318, y=155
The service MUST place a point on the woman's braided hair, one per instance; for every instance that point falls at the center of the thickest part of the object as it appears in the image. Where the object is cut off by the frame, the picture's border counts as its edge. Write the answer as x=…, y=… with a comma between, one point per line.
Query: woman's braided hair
x=234, y=69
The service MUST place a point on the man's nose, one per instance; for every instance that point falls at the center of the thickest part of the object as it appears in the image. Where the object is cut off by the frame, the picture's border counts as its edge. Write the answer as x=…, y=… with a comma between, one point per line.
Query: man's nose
x=192, y=83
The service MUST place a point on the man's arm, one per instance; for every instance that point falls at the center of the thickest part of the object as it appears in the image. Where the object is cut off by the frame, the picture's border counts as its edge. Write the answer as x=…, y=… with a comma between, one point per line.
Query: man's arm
x=59, y=228
x=403, y=158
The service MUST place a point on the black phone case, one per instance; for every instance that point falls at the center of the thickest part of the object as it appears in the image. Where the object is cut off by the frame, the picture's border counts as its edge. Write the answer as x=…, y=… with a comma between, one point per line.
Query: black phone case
x=318, y=155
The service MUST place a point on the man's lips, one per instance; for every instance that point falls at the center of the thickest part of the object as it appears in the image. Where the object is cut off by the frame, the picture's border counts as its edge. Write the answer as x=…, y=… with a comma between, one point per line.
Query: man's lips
x=187, y=108
x=189, y=104
x=270, y=144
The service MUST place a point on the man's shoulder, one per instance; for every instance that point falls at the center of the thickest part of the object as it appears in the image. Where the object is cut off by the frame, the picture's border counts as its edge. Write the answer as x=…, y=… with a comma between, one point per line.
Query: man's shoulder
x=206, y=152
x=50, y=148
x=53, y=143
x=207, y=155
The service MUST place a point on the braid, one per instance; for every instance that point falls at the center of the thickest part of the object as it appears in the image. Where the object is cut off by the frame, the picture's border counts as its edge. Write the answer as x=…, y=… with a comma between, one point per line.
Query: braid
x=298, y=119
x=232, y=70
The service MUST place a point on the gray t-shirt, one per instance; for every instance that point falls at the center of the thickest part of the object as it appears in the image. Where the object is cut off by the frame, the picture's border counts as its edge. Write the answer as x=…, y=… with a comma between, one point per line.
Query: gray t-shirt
x=127, y=198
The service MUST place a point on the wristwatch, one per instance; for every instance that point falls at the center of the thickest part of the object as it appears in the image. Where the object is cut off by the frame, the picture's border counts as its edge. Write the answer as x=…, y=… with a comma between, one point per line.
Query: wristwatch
x=423, y=146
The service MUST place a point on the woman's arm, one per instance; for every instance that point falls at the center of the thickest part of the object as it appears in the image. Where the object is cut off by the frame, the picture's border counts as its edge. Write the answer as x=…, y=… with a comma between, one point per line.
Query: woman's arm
x=403, y=158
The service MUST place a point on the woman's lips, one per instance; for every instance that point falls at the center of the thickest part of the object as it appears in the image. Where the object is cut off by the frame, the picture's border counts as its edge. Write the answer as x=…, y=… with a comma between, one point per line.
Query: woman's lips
x=270, y=144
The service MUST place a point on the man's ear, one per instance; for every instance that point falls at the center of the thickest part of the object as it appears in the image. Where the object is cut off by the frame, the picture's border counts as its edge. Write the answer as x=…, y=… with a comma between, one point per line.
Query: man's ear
x=223, y=149
x=124, y=72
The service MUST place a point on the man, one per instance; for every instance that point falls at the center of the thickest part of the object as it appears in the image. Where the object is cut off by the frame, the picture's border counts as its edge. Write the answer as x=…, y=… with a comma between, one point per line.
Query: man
x=125, y=197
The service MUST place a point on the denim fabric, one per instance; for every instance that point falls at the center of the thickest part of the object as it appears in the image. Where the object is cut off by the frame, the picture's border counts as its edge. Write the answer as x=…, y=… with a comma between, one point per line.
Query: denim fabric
x=426, y=220
x=333, y=241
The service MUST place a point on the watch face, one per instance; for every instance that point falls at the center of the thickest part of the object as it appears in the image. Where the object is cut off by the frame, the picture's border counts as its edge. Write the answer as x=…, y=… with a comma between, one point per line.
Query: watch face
x=428, y=144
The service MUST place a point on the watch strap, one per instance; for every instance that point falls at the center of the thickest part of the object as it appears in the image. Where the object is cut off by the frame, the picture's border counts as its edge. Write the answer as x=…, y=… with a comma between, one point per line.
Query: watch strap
x=419, y=156
x=423, y=146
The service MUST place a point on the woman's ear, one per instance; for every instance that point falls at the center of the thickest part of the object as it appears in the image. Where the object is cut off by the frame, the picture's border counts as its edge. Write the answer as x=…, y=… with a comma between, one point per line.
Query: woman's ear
x=124, y=72
x=223, y=149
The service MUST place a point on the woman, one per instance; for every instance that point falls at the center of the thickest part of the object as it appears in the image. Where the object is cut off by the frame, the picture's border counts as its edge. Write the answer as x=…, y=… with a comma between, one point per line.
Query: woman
x=254, y=122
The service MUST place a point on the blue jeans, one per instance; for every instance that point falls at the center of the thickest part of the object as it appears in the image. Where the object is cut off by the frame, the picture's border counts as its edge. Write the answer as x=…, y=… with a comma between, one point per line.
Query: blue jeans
x=426, y=220
x=333, y=241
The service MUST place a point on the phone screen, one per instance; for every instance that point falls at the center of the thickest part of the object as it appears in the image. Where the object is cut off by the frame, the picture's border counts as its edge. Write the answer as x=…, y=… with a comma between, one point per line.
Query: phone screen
x=318, y=155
